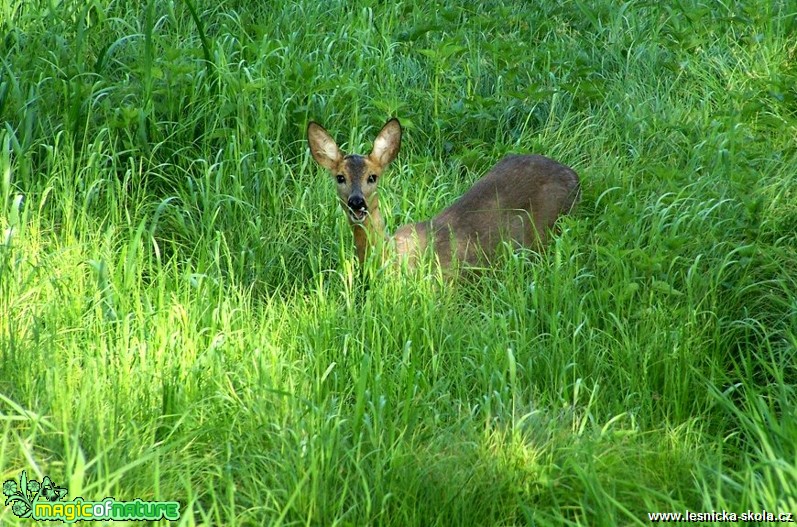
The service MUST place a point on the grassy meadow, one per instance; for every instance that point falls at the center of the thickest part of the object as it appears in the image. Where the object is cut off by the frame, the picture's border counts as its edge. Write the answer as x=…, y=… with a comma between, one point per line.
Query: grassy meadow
x=182, y=316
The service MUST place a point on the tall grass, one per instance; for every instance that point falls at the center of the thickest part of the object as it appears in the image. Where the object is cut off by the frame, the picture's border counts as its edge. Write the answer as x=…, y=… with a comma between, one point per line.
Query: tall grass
x=182, y=317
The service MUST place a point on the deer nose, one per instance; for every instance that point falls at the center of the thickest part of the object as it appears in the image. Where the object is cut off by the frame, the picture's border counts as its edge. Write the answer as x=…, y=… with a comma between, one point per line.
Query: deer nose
x=357, y=203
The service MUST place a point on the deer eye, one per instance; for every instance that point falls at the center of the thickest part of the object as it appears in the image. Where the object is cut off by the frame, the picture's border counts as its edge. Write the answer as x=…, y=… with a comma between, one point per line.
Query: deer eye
x=341, y=179
x=372, y=179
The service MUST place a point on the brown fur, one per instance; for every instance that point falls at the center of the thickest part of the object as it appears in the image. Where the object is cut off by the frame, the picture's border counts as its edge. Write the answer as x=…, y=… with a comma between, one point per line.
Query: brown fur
x=519, y=200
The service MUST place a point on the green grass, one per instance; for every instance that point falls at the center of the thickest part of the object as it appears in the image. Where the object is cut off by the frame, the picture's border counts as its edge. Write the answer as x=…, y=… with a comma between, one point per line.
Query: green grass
x=182, y=317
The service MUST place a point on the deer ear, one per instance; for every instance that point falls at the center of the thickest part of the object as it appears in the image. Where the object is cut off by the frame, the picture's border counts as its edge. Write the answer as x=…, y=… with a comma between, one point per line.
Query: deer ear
x=323, y=148
x=387, y=143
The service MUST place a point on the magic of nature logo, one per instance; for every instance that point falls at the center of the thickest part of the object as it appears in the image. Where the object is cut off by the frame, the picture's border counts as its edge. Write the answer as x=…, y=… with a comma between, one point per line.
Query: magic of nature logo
x=45, y=501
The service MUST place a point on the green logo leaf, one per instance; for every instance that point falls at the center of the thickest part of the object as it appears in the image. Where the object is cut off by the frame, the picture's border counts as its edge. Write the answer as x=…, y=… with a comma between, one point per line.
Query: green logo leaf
x=21, y=496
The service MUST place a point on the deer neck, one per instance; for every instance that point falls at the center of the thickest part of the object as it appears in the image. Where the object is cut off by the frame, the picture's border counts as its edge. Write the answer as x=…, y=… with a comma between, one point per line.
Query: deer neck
x=370, y=234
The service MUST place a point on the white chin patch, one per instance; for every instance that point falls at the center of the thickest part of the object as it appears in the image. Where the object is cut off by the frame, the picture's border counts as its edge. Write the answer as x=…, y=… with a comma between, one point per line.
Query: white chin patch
x=358, y=216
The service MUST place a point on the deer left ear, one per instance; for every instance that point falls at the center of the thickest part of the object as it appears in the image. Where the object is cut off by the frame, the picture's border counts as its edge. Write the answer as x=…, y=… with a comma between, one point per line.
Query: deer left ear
x=387, y=143
x=323, y=148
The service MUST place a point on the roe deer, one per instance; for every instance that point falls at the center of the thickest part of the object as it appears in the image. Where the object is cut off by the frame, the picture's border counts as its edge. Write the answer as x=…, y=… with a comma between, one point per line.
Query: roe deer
x=518, y=200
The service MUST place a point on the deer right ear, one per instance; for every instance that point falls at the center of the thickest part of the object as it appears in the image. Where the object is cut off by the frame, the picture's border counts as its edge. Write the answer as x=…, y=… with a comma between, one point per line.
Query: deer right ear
x=387, y=143
x=323, y=148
